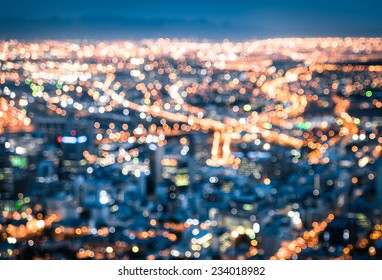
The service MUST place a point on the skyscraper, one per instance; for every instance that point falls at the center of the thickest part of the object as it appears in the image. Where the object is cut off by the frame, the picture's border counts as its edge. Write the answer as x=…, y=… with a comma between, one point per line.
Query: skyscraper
x=6, y=176
x=379, y=183
x=155, y=177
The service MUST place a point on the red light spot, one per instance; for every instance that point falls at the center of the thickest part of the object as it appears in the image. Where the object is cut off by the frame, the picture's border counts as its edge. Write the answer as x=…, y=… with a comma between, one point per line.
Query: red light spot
x=59, y=139
x=73, y=133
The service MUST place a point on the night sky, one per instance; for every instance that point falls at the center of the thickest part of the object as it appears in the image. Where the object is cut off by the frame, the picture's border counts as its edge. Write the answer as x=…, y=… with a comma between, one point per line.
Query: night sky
x=235, y=20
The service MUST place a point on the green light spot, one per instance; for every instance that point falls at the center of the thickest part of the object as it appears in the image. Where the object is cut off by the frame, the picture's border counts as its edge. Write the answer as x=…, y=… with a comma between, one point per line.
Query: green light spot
x=357, y=121
x=18, y=162
x=304, y=126
x=247, y=107
x=267, y=126
x=247, y=207
x=33, y=86
x=59, y=86
x=369, y=93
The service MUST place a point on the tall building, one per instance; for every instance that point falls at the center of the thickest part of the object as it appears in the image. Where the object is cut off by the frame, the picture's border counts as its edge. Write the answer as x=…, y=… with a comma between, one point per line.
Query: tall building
x=155, y=177
x=6, y=177
x=72, y=160
x=50, y=127
x=379, y=183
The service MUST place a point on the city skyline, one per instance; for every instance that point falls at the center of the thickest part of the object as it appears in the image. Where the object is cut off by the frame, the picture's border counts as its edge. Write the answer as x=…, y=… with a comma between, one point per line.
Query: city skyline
x=181, y=149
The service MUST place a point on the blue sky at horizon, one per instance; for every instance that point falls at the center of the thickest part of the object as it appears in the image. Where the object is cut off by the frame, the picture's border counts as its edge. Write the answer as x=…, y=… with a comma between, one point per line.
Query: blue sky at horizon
x=201, y=19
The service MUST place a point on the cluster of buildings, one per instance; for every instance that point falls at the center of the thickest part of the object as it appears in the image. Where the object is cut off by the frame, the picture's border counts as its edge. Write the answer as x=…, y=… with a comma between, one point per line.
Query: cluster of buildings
x=191, y=150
